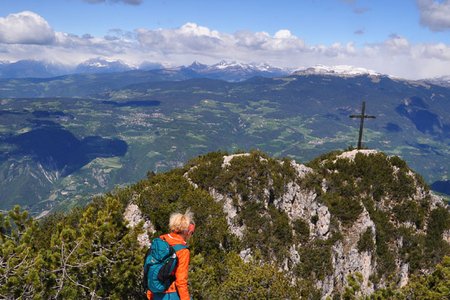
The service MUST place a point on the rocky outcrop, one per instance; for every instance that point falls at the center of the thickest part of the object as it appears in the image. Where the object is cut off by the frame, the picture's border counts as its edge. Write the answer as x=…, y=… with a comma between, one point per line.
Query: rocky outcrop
x=227, y=159
x=348, y=260
x=230, y=212
x=133, y=216
x=446, y=236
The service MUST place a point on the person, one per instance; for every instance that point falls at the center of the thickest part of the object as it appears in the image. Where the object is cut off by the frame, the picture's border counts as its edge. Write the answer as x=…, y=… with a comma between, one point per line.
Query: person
x=181, y=227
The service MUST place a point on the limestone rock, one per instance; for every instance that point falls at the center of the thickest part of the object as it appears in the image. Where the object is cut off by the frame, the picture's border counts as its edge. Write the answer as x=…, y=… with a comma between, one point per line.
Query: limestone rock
x=133, y=215
x=230, y=212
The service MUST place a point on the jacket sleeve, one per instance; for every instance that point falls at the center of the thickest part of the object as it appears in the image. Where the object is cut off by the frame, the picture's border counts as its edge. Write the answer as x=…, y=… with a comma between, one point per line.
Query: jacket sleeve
x=181, y=274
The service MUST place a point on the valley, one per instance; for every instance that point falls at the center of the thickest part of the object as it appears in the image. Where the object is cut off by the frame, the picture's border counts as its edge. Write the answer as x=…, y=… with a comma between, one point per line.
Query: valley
x=59, y=152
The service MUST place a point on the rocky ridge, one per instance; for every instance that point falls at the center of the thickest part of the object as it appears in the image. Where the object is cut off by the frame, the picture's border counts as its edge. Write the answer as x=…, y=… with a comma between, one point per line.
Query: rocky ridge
x=300, y=202
x=334, y=234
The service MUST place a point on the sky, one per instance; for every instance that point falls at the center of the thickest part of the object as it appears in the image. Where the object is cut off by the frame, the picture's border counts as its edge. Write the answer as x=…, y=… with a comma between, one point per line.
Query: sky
x=404, y=38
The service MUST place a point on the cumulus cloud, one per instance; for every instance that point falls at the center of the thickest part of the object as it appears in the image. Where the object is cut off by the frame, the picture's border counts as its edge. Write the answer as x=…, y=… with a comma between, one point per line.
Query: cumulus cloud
x=397, y=44
x=192, y=40
x=189, y=38
x=435, y=14
x=438, y=51
x=132, y=2
x=25, y=28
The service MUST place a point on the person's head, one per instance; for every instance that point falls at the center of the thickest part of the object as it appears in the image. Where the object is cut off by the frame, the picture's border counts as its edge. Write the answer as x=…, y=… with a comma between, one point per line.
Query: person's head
x=182, y=224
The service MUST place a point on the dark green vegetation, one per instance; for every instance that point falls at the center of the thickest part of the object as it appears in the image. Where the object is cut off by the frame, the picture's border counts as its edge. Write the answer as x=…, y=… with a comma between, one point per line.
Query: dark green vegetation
x=90, y=253
x=110, y=129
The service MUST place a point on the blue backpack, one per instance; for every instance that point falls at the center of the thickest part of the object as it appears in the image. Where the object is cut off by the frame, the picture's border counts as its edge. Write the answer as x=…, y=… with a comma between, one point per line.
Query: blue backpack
x=159, y=265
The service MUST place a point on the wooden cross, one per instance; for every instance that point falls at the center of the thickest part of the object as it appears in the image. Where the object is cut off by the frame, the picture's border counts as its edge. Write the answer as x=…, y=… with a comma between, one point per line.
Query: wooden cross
x=362, y=116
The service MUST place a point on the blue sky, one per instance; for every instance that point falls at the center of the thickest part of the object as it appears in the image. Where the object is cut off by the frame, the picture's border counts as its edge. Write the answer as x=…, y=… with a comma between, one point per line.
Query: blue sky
x=405, y=38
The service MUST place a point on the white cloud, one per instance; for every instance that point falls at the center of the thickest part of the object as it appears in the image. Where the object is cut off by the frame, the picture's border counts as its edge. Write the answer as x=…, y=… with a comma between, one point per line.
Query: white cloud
x=25, y=28
x=188, y=39
x=283, y=34
x=192, y=29
x=397, y=44
x=438, y=51
x=250, y=40
x=435, y=14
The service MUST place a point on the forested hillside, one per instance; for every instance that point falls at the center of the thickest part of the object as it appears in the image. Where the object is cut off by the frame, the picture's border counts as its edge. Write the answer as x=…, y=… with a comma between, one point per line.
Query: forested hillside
x=346, y=225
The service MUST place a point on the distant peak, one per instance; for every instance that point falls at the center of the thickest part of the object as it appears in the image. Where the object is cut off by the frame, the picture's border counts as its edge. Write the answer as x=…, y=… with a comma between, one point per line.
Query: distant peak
x=196, y=63
x=197, y=66
x=236, y=71
x=339, y=70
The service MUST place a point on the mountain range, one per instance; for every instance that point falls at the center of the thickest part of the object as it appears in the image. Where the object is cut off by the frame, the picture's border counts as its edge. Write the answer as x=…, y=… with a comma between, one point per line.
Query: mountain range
x=64, y=139
x=231, y=71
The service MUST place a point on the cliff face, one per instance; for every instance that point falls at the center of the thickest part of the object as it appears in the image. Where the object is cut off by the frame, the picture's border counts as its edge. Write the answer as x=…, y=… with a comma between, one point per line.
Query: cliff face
x=353, y=216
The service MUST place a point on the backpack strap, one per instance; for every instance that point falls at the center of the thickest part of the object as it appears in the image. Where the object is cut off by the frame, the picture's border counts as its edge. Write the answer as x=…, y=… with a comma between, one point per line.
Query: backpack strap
x=179, y=247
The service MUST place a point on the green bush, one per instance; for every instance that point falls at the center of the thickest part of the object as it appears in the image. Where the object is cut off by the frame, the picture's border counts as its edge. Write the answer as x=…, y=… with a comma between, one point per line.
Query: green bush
x=315, y=259
x=410, y=211
x=301, y=229
x=413, y=248
x=436, y=248
x=365, y=242
x=254, y=281
x=346, y=210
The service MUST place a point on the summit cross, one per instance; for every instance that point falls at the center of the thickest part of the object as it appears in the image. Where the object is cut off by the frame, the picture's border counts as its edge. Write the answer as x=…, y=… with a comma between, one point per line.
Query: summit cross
x=362, y=116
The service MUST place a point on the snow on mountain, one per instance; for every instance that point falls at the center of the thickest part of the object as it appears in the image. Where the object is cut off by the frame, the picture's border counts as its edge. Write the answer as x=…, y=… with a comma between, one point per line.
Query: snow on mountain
x=261, y=67
x=442, y=81
x=235, y=71
x=100, y=65
x=340, y=70
x=224, y=70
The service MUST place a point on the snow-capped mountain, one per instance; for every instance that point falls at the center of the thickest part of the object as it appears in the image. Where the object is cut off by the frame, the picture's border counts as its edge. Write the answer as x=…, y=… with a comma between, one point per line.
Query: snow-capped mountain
x=235, y=71
x=100, y=65
x=442, y=80
x=229, y=71
x=262, y=67
x=340, y=70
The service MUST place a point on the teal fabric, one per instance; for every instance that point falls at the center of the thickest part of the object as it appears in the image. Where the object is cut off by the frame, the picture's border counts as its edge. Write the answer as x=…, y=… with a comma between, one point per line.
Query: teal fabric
x=168, y=296
x=178, y=247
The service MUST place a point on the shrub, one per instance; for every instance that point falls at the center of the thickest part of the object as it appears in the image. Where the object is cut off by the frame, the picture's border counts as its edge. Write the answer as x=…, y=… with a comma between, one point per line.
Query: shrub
x=410, y=211
x=365, y=242
x=436, y=248
x=346, y=210
x=301, y=229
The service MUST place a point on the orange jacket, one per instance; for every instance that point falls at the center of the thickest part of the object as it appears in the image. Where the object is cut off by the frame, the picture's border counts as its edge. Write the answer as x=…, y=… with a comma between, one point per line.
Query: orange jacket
x=180, y=284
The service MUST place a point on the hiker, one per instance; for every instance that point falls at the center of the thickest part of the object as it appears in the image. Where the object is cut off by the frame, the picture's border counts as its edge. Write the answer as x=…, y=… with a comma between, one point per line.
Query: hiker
x=181, y=229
